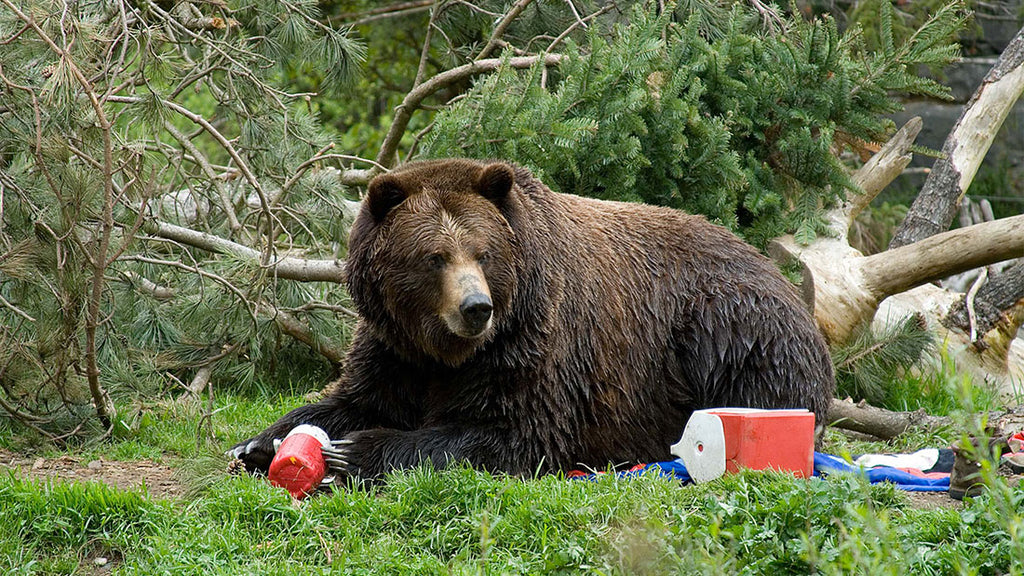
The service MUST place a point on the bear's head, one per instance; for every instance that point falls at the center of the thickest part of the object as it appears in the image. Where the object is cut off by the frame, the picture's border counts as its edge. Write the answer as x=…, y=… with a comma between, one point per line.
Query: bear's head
x=432, y=262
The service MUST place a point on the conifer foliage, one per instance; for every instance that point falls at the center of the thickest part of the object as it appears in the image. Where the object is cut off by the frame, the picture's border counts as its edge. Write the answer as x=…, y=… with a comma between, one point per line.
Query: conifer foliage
x=116, y=115
x=739, y=119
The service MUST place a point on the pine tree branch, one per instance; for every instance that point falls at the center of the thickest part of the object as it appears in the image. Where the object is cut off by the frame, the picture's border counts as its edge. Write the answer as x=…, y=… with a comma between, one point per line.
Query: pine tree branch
x=197, y=270
x=101, y=400
x=299, y=331
x=148, y=287
x=15, y=309
x=211, y=175
x=288, y=323
x=403, y=112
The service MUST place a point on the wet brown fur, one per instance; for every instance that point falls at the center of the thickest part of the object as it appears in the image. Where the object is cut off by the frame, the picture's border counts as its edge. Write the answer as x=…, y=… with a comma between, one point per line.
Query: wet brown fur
x=612, y=322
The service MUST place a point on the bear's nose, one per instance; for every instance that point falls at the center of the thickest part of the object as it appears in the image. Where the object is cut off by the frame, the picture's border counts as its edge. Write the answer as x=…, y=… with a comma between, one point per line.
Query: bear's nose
x=476, y=310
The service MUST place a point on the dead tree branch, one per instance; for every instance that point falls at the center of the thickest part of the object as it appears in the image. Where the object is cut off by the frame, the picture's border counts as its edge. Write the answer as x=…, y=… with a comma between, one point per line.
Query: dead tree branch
x=879, y=422
x=288, y=268
x=965, y=148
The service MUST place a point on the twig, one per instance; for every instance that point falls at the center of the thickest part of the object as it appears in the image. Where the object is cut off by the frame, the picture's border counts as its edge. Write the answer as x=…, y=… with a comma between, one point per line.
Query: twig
x=499, y=30
x=211, y=175
x=435, y=10
x=324, y=306
x=15, y=309
x=579, y=22
x=395, y=10
x=969, y=302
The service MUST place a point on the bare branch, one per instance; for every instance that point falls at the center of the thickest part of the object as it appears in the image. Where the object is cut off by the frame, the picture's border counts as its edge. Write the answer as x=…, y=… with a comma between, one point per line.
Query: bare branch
x=394, y=10
x=147, y=286
x=878, y=422
x=288, y=268
x=965, y=147
x=938, y=256
x=15, y=309
x=884, y=167
x=499, y=30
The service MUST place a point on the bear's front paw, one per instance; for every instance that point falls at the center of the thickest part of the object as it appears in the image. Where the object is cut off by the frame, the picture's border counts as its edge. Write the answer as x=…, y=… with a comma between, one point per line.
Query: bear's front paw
x=255, y=453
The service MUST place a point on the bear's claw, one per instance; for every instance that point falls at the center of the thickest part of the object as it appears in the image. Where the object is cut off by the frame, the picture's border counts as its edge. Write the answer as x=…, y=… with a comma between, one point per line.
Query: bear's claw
x=338, y=459
x=242, y=449
x=254, y=454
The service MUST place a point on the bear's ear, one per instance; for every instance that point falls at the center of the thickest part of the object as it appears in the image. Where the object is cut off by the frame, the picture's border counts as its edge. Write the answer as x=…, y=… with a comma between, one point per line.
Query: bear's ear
x=384, y=193
x=495, y=181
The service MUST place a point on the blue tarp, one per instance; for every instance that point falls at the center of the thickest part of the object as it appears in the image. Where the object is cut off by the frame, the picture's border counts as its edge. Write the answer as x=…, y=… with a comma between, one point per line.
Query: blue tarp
x=824, y=464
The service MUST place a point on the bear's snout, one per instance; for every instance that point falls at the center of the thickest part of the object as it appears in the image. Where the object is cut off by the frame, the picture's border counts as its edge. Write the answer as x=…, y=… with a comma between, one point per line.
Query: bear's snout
x=468, y=310
x=476, y=311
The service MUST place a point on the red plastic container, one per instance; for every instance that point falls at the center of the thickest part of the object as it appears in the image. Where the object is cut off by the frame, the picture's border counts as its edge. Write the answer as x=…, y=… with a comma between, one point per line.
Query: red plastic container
x=299, y=465
x=763, y=439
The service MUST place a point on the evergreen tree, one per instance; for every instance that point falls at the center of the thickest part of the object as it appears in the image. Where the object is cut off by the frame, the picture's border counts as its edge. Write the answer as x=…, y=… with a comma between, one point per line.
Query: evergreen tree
x=731, y=118
x=117, y=113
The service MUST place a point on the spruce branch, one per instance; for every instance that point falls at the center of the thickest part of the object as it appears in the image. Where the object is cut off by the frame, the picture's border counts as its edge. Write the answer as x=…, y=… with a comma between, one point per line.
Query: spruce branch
x=403, y=112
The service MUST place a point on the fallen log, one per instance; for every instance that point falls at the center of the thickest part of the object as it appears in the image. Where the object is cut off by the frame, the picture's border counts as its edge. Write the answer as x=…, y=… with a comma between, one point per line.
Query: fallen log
x=879, y=422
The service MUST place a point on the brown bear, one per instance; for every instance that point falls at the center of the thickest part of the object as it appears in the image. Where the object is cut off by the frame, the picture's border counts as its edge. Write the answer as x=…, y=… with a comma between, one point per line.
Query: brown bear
x=522, y=330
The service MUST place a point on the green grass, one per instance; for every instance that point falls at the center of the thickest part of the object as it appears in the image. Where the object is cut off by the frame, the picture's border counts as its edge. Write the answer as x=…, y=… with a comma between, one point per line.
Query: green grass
x=464, y=521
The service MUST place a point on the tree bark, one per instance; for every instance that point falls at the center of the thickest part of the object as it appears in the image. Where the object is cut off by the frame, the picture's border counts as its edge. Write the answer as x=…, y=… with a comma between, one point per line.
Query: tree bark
x=288, y=267
x=879, y=422
x=965, y=148
x=999, y=293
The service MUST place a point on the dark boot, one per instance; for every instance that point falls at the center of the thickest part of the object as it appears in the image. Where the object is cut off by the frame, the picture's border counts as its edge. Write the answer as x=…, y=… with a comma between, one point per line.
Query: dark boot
x=965, y=478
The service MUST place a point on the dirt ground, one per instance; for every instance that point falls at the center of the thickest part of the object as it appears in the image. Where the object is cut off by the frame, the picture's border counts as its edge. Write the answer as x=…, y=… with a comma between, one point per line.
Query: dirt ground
x=157, y=479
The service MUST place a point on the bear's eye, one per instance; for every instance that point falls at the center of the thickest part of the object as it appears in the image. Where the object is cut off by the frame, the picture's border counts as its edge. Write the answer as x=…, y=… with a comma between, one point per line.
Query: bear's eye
x=483, y=258
x=435, y=261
